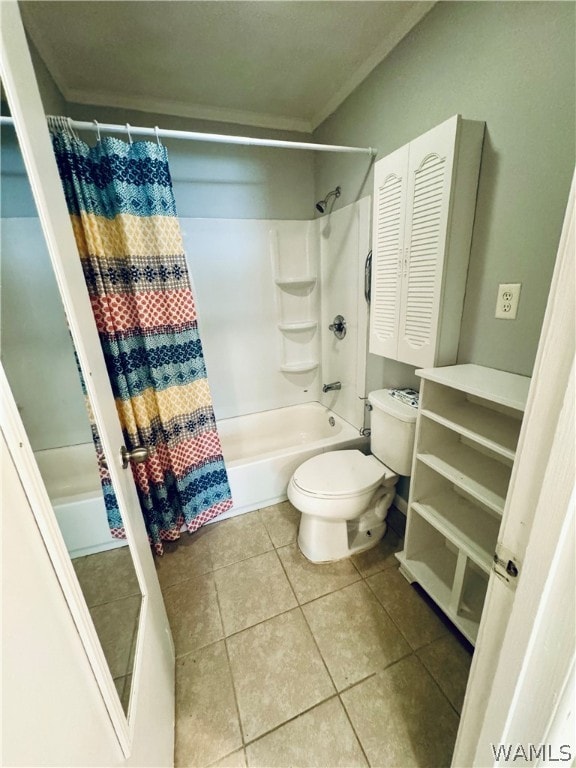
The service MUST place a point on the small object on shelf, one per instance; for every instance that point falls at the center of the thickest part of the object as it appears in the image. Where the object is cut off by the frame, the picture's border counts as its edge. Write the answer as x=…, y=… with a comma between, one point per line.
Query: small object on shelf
x=406, y=395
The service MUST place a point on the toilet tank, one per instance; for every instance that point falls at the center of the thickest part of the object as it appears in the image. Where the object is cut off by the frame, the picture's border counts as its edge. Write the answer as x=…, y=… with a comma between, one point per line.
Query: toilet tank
x=393, y=427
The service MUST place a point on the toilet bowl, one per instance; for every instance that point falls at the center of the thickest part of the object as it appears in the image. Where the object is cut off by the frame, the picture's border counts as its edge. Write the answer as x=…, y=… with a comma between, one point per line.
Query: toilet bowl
x=344, y=496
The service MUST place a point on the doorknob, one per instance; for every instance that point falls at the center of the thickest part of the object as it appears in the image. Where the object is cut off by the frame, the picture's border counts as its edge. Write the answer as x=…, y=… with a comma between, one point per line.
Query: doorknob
x=137, y=455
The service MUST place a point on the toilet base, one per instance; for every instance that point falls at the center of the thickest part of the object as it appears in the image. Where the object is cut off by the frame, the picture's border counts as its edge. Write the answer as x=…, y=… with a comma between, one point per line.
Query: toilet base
x=324, y=540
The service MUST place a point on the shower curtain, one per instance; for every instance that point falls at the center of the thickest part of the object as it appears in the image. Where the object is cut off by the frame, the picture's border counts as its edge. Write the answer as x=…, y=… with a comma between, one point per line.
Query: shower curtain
x=123, y=213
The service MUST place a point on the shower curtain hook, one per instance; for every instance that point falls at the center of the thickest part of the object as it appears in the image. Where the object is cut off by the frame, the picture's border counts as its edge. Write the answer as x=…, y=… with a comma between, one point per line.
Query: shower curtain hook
x=128, y=132
x=156, y=129
x=97, y=129
x=71, y=127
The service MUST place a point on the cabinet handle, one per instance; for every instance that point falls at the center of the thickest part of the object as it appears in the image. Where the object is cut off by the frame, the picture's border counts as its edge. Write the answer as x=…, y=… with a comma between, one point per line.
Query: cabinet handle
x=368, y=277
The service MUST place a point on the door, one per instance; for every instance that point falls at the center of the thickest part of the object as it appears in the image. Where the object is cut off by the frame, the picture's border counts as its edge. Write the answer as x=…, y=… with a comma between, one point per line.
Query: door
x=429, y=183
x=390, y=182
x=145, y=734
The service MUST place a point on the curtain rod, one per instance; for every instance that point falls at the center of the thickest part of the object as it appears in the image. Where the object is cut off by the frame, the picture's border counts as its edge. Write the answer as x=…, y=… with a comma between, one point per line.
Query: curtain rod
x=163, y=133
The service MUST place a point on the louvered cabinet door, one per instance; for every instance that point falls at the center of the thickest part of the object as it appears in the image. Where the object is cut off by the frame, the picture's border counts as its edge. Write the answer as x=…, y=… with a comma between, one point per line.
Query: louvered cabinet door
x=429, y=185
x=387, y=251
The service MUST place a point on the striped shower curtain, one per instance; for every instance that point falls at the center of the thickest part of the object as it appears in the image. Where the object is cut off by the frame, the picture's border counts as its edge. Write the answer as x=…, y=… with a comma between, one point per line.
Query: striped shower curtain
x=123, y=213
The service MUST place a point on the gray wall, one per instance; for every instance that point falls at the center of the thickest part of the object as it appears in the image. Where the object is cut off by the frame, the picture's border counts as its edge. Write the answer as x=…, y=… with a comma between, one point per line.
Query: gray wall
x=511, y=65
x=15, y=193
x=52, y=100
x=224, y=181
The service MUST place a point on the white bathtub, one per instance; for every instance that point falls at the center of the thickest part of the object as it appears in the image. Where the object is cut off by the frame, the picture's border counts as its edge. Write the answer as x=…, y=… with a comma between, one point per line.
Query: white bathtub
x=71, y=478
x=262, y=450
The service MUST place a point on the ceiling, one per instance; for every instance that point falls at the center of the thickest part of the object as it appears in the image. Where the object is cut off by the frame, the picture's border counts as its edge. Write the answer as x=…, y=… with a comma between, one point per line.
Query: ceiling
x=284, y=64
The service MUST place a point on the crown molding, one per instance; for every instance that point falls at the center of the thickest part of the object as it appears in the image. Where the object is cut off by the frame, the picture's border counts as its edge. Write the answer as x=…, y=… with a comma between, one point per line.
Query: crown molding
x=412, y=18
x=180, y=109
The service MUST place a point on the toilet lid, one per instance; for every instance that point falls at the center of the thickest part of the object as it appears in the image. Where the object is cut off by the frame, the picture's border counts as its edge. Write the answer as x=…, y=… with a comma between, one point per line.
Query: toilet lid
x=340, y=473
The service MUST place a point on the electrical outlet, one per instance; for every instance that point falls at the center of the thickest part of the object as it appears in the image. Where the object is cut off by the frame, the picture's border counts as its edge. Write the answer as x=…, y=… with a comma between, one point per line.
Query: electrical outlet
x=507, y=301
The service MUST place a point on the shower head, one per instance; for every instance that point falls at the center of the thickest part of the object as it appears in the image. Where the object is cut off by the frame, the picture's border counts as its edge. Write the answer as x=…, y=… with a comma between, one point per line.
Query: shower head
x=322, y=204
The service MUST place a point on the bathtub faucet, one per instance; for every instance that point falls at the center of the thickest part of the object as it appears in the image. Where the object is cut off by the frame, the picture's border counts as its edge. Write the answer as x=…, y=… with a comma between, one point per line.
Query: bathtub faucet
x=330, y=387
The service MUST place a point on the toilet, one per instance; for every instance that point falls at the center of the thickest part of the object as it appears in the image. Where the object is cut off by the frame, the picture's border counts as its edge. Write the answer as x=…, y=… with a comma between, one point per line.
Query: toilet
x=344, y=496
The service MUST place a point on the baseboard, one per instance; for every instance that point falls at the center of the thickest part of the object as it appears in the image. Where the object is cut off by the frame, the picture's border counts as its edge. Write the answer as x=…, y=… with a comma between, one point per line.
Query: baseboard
x=401, y=504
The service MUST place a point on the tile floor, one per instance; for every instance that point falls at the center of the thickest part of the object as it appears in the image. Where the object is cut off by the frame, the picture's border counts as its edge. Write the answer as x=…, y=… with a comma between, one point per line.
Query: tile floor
x=284, y=663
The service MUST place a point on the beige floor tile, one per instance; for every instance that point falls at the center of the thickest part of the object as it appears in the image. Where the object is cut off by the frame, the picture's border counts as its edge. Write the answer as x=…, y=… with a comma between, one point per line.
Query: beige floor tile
x=277, y=671
x=207, y=726
x=184, y=559
x=235, y=760
x=416, y=619
x=117, y=627
x=238, y=539
x=354, y=633
x=251, y=591
x=281, y=521
x=402, y=718
x=312, y=580
x=380, y=557
x=107, y=576
x=320, y=737
x=448, y=661
x=193, y=612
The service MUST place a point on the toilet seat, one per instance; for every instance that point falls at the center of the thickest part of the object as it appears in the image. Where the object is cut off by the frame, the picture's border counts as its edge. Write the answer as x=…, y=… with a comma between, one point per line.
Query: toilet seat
x=340, y=474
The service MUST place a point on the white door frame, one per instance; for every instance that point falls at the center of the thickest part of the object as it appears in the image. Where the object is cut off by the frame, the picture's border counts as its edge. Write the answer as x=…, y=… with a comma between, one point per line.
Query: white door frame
x=523, y=668
x=148, y=730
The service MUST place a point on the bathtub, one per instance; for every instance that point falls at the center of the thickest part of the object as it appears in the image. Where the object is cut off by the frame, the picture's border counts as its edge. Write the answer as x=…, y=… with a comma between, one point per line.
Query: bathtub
x=262, y=450
x=71, y=478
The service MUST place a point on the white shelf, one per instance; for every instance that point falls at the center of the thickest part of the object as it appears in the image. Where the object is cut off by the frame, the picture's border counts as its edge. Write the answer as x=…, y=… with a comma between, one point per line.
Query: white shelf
x=303, y=367
x=500, y=387
x=295, y=282
x=467, y=431
x=435, y=576
x=483, y=478
x=435, y=573
x=305, y=325
x=488, y=428
x=470, y=528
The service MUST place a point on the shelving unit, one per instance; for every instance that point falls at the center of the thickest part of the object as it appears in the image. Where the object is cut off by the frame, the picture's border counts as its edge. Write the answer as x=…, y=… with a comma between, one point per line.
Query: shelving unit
x=294, y=271
x=468, y=427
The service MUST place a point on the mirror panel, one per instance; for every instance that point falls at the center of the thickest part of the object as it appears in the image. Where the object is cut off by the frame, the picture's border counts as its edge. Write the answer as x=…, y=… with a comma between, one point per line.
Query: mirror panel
x=39, y=360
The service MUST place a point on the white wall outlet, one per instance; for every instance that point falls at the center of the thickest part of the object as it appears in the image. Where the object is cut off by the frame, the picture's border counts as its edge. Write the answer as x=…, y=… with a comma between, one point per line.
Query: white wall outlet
x=507, y=302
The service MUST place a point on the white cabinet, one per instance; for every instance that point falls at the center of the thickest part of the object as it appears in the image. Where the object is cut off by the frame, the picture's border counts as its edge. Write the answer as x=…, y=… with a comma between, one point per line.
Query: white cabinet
x=468, y=426
x=424, y=203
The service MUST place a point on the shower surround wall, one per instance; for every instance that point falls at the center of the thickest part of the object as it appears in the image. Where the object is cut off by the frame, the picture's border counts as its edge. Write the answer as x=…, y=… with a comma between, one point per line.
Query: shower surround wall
x=233, y=277
x=244, y=314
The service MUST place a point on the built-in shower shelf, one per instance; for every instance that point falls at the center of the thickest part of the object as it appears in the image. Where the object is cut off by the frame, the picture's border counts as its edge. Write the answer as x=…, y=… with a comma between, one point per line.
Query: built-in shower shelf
x=295, y=272
x=303, y=367
x=306, y=325
x=295, y=282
